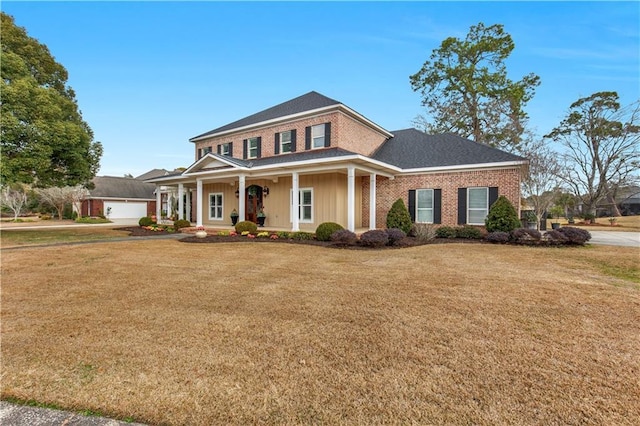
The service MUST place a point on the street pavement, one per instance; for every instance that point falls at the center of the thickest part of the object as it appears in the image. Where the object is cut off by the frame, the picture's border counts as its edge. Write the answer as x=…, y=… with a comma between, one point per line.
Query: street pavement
x=614, y=238
x=22, y=415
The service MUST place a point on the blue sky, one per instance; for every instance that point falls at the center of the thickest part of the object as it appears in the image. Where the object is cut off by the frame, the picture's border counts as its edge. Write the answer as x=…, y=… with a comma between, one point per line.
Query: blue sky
x=150, y=75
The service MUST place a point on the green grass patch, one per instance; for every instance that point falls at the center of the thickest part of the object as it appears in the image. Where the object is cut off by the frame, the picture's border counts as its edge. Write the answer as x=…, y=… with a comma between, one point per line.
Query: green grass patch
x=92, y=220
x=18, y=237
x=623, y=272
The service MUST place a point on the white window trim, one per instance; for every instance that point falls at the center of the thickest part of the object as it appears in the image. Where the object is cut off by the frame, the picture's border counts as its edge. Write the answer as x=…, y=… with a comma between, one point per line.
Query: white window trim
x=214, y=194
x=313, y=137
x=282, y=142
x=224, y=149
x=477, y=209
x=300, y=220
x=249, y=148
x=424, y=208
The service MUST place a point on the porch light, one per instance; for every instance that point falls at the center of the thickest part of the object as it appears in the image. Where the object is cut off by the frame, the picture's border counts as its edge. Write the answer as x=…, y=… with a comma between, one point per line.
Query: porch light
x=237, y=193
x=265, y=191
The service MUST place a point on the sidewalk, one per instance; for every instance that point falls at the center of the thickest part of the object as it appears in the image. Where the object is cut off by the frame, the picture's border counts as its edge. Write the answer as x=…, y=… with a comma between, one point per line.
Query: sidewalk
x=21, y=415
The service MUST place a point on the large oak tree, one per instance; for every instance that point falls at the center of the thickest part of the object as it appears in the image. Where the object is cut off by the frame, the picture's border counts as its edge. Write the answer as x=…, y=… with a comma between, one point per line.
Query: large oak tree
x=601, y=142
x=466, y=91
x=45, y=141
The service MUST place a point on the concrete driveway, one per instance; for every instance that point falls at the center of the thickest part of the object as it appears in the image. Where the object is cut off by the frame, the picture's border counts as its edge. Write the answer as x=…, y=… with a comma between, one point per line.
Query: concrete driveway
x=613, y=238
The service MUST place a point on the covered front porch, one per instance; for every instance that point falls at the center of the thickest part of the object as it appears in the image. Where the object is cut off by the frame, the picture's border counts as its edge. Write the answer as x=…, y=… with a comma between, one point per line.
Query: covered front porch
x=289, y=196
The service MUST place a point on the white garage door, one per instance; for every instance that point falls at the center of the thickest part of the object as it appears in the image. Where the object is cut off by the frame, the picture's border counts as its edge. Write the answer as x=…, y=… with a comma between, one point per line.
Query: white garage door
x=122, y=210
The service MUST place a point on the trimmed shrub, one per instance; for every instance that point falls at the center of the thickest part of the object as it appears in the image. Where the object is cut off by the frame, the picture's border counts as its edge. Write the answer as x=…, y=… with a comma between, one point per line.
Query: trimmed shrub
x=498, y=237
x=344, y=236
x=423, y=231
x=145, y=221
x=374, y=238
x=575, y=235
x=324, y=230
x=283, y=234
x=399, y=217
x=446, y=232
x=524, y=236
x=179, y=224
x=395, y=235
x=469, y=232
x=554, y=237
x=247, y=226
x=502, y=216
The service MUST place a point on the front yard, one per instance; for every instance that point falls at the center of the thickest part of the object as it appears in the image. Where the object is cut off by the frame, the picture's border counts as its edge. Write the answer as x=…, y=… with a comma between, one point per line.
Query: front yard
x=171, y=333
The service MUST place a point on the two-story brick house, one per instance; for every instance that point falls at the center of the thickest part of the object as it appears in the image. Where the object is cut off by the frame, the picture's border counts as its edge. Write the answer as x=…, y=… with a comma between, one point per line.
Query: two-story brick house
x=313, y=159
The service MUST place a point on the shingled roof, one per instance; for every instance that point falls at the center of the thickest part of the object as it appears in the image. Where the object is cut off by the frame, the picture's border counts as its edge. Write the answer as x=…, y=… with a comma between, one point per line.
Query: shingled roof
x=413, y=149
x=123, y=188
x=307, y=102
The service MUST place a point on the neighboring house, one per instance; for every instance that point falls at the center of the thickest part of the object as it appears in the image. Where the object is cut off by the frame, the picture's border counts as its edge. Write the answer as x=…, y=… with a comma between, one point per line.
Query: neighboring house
x=313, y=159
x=121, y=197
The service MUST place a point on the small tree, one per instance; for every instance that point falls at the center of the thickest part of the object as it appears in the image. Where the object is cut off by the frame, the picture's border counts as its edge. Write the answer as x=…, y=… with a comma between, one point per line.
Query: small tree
x=399, y=217
x=59, y=197
x=14, y=199
x=502, y=216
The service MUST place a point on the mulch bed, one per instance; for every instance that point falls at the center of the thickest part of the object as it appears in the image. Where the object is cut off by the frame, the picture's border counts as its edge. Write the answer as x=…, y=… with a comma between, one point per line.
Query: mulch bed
x=138, y=231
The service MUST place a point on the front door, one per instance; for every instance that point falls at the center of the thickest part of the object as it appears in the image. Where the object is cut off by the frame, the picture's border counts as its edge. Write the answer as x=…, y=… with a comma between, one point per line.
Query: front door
x=253, y=202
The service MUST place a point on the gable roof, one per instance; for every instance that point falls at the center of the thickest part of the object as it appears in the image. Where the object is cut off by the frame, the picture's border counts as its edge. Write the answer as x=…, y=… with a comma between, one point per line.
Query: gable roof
x=413, y=149
x=153, y=174
x=120, y=187
x=307, y=102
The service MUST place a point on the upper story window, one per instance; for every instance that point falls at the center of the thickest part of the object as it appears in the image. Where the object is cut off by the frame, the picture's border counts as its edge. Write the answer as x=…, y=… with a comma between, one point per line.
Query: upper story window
x=285, y=142
x=251, y=148
x=317, y=136
x=225, y=149
x=204, y=151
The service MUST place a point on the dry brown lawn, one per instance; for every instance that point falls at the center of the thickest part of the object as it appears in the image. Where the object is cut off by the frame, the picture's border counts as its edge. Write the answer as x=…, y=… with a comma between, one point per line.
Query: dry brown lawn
x=199, y=334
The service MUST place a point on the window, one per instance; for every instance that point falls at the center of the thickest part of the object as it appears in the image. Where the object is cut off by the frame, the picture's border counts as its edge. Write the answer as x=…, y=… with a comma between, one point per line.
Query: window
x=252, y=147
x=305, y=208
x=424, y=205
x=204, y=151
x=285, y=141
x=477, y=205
x=215, y=206
x=317, y=136
x=225, y=149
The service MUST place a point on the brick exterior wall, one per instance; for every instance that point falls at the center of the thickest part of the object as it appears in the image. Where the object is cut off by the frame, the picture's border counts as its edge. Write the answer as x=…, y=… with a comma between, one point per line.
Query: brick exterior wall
x=388, y=191
x=346, y=133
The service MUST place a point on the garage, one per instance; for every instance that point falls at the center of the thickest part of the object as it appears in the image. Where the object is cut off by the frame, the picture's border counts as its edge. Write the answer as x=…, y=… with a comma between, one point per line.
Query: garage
x=125, y=210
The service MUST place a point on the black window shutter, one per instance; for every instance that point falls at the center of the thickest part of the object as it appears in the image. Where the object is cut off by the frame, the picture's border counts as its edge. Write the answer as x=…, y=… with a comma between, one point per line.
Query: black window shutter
x=327, y=135
x=412, y=204
x=230, y=149
x=259, y=154
x=293, y=140
x=276, y=146
x=307, y=138
x=462, y=206
x=493, y=195
x=244, y=149
x=219, y=149
x=437, y=206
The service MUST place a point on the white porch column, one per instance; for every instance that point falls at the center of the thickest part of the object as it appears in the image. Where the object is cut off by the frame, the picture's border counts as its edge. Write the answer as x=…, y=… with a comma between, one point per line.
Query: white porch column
x=241, y=198
x=158, y=203
x=295, y=202
x=180, y=201
x=351, y=198
x=372, y=201
x=188, y=212
x=198, y=202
